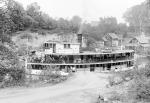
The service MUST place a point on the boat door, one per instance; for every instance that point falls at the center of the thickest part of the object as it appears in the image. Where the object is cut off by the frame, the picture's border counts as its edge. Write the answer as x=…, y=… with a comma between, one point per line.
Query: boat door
x=92, y=68
x=54, y=48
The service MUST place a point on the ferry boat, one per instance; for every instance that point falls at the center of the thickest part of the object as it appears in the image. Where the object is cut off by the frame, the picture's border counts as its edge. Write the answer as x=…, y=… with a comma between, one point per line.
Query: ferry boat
x=67, y=55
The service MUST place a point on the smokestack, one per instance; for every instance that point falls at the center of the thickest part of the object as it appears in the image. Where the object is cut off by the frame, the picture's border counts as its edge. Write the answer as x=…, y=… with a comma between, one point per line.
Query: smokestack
x=79, y=36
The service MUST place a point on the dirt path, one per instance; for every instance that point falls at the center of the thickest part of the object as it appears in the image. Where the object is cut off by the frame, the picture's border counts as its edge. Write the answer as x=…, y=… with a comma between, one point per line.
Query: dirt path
x=83, y=87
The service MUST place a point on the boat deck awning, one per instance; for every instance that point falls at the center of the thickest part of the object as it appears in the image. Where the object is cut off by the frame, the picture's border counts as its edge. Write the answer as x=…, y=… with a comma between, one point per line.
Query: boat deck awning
x=93, y=53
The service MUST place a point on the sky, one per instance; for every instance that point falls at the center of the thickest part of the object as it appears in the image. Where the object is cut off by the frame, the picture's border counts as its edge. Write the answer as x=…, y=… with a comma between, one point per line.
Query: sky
x=89, y=10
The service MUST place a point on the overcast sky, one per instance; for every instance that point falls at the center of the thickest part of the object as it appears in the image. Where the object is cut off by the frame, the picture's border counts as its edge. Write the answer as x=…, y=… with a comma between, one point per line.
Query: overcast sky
x=90, y=10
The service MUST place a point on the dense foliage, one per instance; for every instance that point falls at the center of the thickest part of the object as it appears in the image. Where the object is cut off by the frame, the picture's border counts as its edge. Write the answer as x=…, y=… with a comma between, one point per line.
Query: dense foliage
x=138, y=18
x=10, y=66
x=139, y=88
x=13, y=17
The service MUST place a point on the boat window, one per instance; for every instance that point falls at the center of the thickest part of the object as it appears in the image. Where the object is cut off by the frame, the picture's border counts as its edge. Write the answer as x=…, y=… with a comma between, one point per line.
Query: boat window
x=66, y=45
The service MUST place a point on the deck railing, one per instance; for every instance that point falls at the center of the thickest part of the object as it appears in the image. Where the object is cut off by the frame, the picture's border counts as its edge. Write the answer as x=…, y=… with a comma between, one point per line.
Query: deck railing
x=76, y=61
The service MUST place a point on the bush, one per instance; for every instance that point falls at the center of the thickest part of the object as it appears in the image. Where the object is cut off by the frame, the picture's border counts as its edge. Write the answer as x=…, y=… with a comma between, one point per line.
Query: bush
x=127, y=75
x=115, y=96
x=140, y=90
x=135, y=73
x=114, y=80
x=139, y=87
x=121, y=77
x=12, y=77
x=50, y=75
x=26, y=36
x=144, y=71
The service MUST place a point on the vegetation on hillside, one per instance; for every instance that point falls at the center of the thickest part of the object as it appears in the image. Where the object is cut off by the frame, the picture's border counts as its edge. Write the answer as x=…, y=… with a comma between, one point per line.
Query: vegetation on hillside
x=11, y=71
x=136, y=85
x=13, y=18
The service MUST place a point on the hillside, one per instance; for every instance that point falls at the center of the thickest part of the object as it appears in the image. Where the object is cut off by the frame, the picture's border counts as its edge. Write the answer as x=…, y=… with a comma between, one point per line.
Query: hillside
x=35, y=40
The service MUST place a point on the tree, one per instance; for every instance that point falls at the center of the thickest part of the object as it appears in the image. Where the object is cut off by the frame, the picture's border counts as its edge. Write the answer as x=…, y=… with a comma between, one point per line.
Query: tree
x=17, y=13
x=6, y=24
x=12, y=16
x=63, y=24
x=8, y=58
x=33, y=10
x=105, y=25
x=122, y=29
x=75, y=24
x=29, y=22
x=108, y=25
x=137, y=17
x=47, y=22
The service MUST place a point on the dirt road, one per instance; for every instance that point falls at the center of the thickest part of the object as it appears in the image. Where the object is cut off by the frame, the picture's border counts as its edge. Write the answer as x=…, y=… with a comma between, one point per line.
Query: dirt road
x=83, y=87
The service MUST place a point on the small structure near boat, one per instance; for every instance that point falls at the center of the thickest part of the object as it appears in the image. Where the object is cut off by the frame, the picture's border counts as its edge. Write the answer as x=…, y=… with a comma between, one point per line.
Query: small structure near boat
x=61, y=47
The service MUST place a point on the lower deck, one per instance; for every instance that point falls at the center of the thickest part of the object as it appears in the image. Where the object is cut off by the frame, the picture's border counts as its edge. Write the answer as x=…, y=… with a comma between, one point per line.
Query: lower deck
x=107, y=66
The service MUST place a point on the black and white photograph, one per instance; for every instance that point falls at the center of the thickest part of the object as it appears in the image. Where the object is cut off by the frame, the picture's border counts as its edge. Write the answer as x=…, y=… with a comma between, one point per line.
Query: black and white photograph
x=74, y=51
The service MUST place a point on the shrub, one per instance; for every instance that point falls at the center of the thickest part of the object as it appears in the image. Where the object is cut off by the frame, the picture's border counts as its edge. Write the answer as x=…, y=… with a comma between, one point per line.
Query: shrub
x=140, y=90
x=12, y=77
x=115, y=96
x=121, y=77
x=127, y=75
x=26, y=36
x=135, y=73
x=114, y=80
x=139, y=87
x=145, y=71
x=49, y=74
